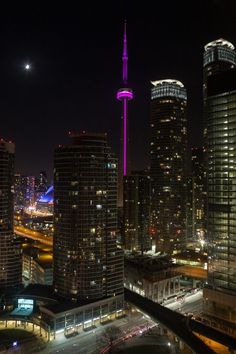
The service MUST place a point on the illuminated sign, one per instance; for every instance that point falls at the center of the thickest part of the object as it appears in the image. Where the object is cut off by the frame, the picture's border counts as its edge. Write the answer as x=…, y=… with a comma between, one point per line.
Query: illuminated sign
x=26, y=303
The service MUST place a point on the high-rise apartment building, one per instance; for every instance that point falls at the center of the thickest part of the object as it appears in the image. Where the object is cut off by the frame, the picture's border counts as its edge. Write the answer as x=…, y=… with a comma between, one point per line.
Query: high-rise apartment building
x=198, y=195
x=168, y=164
x=137, y=211
x=41, y=185
x=10, y=259
x=24, y=191
x=87, y=263
x=220, y=294
x=19, y=195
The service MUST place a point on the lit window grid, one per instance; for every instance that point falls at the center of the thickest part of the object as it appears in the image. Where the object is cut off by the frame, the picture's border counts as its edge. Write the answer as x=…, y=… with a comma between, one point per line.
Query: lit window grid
x=219, y=54
x=222, y=190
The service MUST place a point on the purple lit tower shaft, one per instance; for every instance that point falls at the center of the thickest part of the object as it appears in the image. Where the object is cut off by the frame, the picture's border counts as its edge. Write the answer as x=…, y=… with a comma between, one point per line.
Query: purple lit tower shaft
x=124, y=94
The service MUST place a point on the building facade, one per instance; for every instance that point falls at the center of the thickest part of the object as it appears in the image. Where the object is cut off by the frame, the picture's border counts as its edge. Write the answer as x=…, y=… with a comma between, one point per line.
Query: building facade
x=24, y=187
x=10, y=258
x=137, y=211
x=220, y=295
x=41, y=185
x=168, y=164
x=87, y=263
x=218, y=56
x=198, y=194
x=154, y=278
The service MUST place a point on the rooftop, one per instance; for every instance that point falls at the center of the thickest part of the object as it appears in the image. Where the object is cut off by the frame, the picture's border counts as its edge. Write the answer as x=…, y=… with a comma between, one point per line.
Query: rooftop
x=166, y=82
x=218, y=43
x=191, y=255
x=55, y=303
x=150, y=262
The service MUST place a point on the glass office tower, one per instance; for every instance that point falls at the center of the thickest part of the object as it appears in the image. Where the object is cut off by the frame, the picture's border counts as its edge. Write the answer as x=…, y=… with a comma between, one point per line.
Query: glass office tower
x=220, y=294
x=218, y=56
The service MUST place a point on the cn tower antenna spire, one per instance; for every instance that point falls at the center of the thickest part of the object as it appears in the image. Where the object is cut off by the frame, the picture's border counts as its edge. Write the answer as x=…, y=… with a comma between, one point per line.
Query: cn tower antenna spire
x=125, y=57
x=124, y=95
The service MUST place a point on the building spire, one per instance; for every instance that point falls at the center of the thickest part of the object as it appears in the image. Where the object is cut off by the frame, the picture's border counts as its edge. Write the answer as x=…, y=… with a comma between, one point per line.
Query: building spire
x=125, y=57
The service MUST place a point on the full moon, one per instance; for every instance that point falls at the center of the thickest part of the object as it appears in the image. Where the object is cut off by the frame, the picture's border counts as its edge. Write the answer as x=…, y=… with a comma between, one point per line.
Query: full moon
x=27, y=67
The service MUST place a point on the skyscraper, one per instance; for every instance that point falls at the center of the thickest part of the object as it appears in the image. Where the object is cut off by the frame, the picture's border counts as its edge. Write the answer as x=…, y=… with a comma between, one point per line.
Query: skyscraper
x=24, y=190
x=124, y=95
x=41, y=185
x=219, y=56
x=137, y=211
x=198, y=194
x=220, y=294
x=10, y=261
x=19, y=197
x=87, y=263
x=168, y=164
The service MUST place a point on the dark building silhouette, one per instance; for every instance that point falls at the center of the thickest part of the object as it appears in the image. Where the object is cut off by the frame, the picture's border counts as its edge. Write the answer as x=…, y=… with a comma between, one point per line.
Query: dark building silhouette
x=168, y=164
x=137, y=211
x=10, y=258
x=87, y=263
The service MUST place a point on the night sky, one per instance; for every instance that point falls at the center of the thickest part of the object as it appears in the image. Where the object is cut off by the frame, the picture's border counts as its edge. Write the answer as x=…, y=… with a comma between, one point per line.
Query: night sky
x=75, y=55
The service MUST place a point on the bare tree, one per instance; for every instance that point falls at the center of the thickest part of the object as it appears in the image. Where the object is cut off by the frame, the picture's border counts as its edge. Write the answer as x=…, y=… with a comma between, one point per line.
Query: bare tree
x=110, y=336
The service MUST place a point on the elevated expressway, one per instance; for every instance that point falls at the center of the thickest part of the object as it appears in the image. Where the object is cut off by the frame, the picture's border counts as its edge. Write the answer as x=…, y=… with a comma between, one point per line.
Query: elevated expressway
x=33, y=235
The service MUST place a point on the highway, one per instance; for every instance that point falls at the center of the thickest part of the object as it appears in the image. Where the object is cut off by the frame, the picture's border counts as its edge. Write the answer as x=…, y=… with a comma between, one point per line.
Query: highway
x=33, y=235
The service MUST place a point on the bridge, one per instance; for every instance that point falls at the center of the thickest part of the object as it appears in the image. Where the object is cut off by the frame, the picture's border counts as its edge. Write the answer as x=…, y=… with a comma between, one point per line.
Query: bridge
x=192, y=272
x=181, y=325
x=33, y=235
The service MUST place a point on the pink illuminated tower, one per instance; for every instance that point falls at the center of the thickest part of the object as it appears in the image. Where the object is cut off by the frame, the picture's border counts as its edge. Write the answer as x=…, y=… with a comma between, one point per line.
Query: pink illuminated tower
x=124, y=95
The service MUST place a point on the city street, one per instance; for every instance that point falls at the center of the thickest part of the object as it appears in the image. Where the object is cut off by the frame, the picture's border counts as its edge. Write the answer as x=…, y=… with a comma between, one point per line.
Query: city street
x=189, y=304
x=90, y=342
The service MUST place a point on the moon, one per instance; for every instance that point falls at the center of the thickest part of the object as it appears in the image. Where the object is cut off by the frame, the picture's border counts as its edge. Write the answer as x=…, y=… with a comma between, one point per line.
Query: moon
x=27, y=67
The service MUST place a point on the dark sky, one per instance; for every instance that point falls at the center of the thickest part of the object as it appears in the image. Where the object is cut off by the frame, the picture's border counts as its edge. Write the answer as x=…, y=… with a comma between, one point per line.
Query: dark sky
x=75, y=53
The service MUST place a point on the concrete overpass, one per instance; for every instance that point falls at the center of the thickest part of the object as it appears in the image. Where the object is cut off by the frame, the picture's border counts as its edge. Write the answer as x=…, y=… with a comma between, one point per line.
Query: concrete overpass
x=192, y=272
x=181, y=325
x=33, y=235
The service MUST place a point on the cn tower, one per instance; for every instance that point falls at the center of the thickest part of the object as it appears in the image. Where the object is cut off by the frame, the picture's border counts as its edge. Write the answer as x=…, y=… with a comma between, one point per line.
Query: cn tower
x=124, y=95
